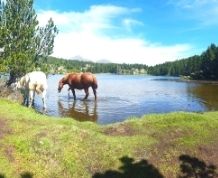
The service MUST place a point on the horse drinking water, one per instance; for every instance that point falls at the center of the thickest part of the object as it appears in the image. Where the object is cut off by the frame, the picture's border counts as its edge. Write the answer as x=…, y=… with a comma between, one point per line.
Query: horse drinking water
x=79, y=81
x=31, y=83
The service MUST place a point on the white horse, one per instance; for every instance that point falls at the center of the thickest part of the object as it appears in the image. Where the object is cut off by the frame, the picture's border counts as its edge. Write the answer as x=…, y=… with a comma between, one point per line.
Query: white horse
x=31, y=83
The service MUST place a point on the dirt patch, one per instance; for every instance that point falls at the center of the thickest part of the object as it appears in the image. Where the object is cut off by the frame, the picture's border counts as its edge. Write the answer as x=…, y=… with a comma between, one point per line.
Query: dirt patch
x=119, y=130
x=9, y=150
x=201, y=161
x=174, y=160
x=166, y=141
x=4, y=128
x=209, y=153
x=41, y=134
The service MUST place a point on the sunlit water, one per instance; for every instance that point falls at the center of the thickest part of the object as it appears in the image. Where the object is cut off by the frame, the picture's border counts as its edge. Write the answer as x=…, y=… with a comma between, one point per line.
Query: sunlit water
x=123, y=96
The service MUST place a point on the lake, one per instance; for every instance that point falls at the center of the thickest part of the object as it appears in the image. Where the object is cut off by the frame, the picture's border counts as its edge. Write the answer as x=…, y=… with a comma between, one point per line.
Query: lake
x=124, y=96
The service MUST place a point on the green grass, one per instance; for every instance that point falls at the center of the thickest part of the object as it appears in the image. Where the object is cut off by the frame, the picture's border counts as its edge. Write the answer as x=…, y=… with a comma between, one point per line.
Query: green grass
x=43, y=146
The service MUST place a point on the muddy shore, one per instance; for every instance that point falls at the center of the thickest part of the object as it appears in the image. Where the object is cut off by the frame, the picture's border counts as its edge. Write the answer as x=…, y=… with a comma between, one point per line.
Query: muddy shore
x=10, y=93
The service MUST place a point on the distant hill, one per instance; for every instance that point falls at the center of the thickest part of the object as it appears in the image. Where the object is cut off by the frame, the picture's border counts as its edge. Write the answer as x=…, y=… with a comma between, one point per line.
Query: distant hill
x=58, y=65
x=80, y=58
x=104, y=61
x=202, y=66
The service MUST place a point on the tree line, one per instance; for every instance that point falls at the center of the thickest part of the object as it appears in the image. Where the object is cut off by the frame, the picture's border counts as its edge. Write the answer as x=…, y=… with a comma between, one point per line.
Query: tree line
x=204, y=66
x=57, y=65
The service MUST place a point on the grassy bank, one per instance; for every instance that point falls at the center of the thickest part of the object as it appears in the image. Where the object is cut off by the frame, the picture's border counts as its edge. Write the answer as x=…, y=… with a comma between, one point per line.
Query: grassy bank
x=166, y=145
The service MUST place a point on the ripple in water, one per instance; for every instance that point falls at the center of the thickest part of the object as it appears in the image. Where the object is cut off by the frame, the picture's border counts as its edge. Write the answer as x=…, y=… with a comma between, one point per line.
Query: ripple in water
x=123, y=96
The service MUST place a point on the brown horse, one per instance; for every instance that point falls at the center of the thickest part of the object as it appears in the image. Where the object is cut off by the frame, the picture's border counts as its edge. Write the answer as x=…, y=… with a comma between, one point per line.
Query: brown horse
x=79, y=81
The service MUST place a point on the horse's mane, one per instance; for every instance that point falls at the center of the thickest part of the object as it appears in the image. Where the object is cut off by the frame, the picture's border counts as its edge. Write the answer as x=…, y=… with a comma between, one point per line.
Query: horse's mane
x=68, y=74
x=23, y=81
x=66, y=77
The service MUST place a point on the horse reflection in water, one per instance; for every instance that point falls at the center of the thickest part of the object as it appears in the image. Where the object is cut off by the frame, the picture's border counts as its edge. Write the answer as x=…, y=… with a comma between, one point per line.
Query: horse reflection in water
x=79, y=110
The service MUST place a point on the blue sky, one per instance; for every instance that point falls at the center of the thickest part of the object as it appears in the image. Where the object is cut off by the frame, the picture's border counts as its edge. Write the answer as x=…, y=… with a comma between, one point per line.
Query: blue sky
x=131, y=31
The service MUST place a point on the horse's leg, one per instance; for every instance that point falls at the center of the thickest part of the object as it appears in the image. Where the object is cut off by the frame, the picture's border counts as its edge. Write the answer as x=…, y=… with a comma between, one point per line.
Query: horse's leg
x=74, y=104
x=34, y=93
x=44, y=100
x=25, y=97
x=27, y=92
x=87, y=93
x=94, y=91
x=31, y=94
x=69, y=92
x=74, y=94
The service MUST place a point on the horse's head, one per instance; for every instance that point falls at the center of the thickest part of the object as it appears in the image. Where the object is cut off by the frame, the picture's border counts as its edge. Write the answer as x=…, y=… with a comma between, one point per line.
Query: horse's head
x=62, y=82
x=19, y=84
x=60, y=86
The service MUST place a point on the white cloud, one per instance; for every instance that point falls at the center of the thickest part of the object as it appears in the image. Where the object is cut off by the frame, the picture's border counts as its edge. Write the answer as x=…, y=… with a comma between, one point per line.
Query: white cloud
x=126, y=50
x=95, y=19
x=192, y=4
x=203, y=11
x=95, y=35
x=129, y=23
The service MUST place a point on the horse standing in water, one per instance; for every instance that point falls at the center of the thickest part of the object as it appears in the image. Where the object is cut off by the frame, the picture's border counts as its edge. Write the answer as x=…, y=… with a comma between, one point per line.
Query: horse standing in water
x=79, y=81
x=31, y=83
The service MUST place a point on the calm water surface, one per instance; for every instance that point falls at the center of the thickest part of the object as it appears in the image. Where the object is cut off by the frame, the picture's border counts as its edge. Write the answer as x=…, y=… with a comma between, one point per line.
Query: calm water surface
x=123, y=96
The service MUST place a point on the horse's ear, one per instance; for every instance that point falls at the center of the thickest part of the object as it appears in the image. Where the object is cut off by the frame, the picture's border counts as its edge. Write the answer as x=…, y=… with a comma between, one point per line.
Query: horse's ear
x=66, y=76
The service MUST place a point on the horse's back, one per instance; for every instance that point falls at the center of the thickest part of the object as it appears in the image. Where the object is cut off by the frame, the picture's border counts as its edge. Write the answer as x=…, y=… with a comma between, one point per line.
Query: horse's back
x=37, y=78
x=81, y=80
x=37, y=74
x=88, y=79
x=74, y=79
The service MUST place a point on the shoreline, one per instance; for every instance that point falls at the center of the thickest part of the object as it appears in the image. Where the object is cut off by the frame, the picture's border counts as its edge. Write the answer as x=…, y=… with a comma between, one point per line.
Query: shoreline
x=199, y=81
x=31, y=142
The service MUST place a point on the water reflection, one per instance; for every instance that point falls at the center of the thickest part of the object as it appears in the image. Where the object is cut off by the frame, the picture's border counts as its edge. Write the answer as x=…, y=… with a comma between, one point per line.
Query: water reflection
x=82, y=110
x=207, y=95
x=123, y=96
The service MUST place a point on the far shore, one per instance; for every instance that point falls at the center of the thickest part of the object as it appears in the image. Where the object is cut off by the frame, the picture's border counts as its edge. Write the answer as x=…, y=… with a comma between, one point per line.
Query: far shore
x=4, y=77
x=199, y=81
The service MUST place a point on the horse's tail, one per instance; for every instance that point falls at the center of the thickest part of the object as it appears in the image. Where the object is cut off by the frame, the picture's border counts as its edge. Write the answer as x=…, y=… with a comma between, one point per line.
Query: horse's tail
x=95, y=83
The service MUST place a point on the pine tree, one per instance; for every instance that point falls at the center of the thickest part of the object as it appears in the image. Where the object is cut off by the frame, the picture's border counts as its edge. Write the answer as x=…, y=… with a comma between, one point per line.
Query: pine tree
x=24, y=42
x=44, y=42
